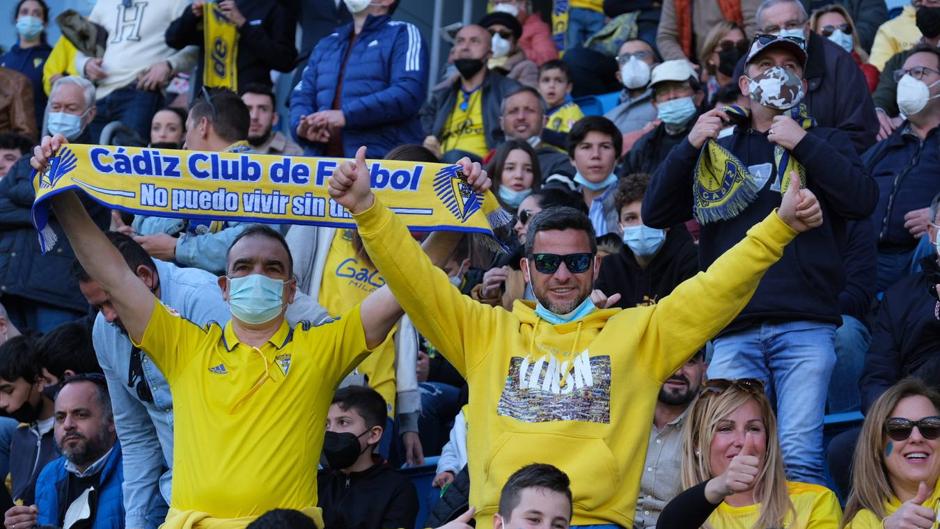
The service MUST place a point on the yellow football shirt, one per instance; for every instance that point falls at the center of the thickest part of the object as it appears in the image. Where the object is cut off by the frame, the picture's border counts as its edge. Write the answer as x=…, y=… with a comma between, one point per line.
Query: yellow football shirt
x=816, y=508
x=347, y=280
x=464, y=127
x=248, y=422
x=564, y=117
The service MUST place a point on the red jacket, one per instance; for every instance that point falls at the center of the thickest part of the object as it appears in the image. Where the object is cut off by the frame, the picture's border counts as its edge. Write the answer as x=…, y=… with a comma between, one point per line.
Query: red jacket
x=869, y=71
x=536, y=40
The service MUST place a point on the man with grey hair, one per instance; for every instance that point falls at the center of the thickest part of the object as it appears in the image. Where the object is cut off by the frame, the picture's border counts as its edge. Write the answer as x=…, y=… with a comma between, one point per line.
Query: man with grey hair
x=86, y=480
x=39, y=291
x=522, y=117
x=836, y=92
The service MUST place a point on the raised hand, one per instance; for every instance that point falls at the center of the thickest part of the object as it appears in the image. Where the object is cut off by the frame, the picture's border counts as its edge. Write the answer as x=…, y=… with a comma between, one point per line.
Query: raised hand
x=476, y=175
x=740, y=476
x=603, y=301
x=912, y=514
x=800, y=208
x=350, y=185
x=707, y=127
x=45, y=150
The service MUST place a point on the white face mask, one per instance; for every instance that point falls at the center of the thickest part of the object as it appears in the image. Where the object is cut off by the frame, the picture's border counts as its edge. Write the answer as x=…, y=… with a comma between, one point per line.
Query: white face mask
x=913, y=95
x=796, y=33
x=512, y=9
x=844, y=41
x=501, y=46
x=635, y=74
x=357, y=6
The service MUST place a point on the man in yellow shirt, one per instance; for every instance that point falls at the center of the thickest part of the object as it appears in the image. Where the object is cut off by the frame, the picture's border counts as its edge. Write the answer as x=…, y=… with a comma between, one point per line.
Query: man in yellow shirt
x=563, y=381
x=250, y=397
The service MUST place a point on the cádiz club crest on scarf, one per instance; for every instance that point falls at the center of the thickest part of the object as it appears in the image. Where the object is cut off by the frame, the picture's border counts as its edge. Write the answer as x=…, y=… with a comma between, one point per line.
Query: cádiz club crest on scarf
x=722, y=186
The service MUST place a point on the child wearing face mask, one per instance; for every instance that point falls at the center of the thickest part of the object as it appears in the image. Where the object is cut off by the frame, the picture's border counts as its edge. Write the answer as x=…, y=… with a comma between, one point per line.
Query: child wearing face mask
x=357, y=488
x=652, y=261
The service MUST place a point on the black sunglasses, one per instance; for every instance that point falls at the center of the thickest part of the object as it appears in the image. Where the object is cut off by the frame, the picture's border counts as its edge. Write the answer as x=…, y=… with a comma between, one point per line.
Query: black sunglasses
x=720, y=385
x=765, y=38
x=208, y=97
x=728, y=45
x=135, y=376
x=577, y=263
x=525, y=216
x=828, y=30
x=899, y=428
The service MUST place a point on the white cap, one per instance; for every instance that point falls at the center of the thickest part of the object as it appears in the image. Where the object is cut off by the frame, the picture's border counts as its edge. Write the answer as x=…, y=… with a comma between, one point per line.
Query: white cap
x=679, y=70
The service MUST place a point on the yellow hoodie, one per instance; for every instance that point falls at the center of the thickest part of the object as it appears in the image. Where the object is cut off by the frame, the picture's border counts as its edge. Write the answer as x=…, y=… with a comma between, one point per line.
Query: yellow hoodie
x=579, y=395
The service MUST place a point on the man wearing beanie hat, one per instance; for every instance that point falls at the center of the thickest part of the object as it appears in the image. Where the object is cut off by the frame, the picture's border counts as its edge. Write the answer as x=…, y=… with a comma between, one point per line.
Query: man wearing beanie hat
x=508, y=58
x=738, y=164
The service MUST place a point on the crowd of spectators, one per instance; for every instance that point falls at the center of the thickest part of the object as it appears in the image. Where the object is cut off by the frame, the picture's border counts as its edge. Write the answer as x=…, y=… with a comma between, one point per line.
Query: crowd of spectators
x=725, y=228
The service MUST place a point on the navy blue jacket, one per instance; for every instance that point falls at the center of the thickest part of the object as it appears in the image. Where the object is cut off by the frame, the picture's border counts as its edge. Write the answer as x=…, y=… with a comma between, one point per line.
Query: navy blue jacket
x=806, y=282
x=24, y=270
x=907, y=171
x=30, y=62
x=383, y=84
x=52, y=491
x=905, y=334
x=861, y=270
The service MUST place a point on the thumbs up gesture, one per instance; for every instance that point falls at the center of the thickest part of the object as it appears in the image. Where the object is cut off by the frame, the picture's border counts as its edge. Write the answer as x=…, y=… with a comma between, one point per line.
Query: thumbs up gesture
x=350, y=184
x=740, y=476
x=912, y=514
x=462, y=521
x=800, y=208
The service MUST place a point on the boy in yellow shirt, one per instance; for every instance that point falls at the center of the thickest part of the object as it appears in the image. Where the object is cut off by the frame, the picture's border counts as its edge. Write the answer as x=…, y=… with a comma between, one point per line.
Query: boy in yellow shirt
x=555, y=88
x=558, y=380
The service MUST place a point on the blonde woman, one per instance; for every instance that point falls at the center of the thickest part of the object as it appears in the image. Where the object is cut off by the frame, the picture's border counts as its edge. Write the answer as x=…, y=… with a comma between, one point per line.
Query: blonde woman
x=732, y=468
x=724, y=46
x=894, y=477
x=833, y=22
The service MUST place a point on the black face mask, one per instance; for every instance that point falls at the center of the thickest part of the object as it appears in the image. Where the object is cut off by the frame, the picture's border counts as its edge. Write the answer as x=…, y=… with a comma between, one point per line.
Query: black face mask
x=728, y=58
x=341, y=449
x=52, y=391
x=468, y=67
x=928, y=21
x=27, y=413
x=165, y=145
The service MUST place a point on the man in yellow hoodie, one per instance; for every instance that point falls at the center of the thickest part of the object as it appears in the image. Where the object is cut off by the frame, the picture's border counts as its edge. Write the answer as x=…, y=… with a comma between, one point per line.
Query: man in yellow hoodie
x=563, y=382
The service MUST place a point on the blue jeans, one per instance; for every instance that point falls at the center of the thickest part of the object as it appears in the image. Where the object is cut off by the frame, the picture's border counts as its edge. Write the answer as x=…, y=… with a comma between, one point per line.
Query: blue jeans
x=582, y=23
x=852, y=341
x=27, y=314
x=439, y=406
x=132, y=107
x=794, y=360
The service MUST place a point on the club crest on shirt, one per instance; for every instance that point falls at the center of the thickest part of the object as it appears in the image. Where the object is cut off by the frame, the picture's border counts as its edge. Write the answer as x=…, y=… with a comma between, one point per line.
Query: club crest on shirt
x=283, y=361
x=218, y=370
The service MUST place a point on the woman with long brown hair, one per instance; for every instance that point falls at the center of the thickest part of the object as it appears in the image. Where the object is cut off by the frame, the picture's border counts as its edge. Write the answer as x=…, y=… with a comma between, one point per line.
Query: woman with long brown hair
x=732, y=468
x=896, y=465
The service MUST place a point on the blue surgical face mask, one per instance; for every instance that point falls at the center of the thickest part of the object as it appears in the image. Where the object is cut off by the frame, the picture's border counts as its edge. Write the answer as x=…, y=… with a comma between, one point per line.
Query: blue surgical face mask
x=796, y=33
x=643, y=240
x=586, y=307
x=511, y=197
x=68, y=125
x=596, y=186
x=29, y=27
x=844, y=41
x=255, y=298
x=676, y=111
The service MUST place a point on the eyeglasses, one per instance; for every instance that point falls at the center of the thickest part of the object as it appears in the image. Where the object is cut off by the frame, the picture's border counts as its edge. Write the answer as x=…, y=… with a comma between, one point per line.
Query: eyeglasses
x=135, y=376
x=899, y=428
x=765, y=38
x=641, y=55
x=577, y=263
x=917, y=72
x=506, y=34
x=524, y=216
x=728, y=45
x=720, y=385
x=829, y=29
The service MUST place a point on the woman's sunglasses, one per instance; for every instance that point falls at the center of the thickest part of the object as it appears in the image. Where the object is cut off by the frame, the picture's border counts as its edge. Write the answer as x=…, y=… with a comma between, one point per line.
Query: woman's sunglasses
x=720, y=385
x=828, y=30
x=899, y=428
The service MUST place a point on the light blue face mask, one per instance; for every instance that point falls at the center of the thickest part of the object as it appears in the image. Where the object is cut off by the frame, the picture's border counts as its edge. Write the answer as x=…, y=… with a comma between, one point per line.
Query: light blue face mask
x=513, y=198
x=255, y=298
x=796, y=33
x=596, y=186
x=643, y=240
x=844, y=41
x=586, y=307
x=29, y=27
x=676, y=111
x=68, y=125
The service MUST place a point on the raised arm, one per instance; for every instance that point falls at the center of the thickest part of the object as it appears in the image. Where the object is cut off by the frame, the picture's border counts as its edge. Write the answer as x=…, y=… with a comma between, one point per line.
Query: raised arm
x=132, y=300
